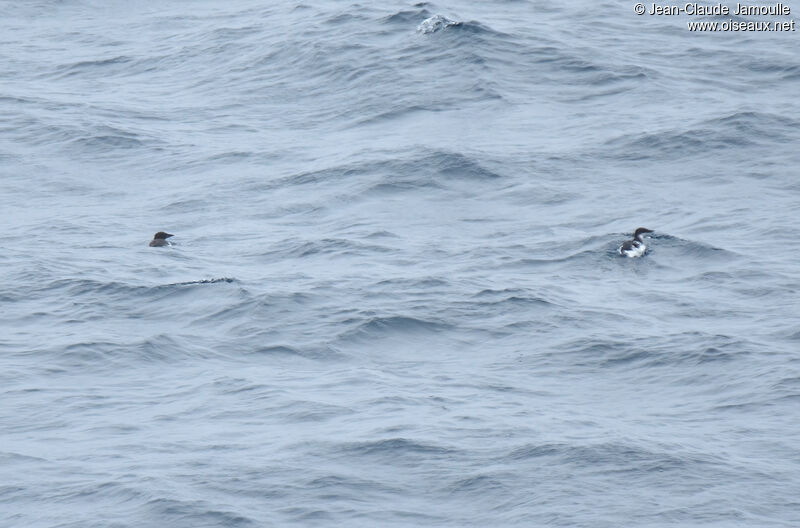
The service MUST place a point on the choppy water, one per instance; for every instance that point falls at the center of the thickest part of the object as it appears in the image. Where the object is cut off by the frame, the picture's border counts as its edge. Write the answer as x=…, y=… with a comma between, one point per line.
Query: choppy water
x=394, y=298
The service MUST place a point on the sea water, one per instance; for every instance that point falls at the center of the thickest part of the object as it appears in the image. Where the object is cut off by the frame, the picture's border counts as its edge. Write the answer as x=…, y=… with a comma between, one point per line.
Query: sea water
x=394, y=296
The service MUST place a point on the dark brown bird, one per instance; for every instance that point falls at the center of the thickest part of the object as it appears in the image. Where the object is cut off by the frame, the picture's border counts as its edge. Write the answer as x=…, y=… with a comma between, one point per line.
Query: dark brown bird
x=160, y=239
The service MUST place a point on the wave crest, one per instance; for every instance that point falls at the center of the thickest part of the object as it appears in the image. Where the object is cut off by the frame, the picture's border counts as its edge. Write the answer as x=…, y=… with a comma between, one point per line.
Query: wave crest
x=435, y=23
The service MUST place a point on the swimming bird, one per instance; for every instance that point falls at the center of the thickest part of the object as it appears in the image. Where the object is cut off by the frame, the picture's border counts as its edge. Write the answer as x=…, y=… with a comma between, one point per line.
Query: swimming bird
x=635, y=247
x=160, y=239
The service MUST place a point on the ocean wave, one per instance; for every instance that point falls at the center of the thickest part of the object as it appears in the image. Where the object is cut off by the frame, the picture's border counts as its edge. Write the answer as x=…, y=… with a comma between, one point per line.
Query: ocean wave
x=104, y=138
x=348, y=482
x=731, y=132
x=419, y=168
x=595, y=250
x=102, y=355
x=478, y=484
x=430, y=170
x=76, y=288
x=773, y=67
x=510, y=297
x=204, y=281
x=195, y=205
x=406, y=17
x=439, y=23
x=98, y=139
x=293, y=248
x=611, y=456
x=420, y=284
x=94, y=66
x=395, y=447
x=392, y=330
x=398, y=325
x=289, y=351
x=307, y=411
x=381, y=234
x=192, y=513
x=680, y=247
x=666, y=351
x=435, y=23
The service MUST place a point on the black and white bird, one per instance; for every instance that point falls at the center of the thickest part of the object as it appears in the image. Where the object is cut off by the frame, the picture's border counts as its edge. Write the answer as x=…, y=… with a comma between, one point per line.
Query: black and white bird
x=635, y=248
x=160, y=239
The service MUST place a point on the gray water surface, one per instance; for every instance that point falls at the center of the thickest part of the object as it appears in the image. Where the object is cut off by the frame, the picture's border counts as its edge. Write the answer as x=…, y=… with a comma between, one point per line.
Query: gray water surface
x=394, y=297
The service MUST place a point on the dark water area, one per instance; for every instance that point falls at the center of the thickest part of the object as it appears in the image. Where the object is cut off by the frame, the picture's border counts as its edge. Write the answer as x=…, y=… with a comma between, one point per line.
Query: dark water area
x=394, y=296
